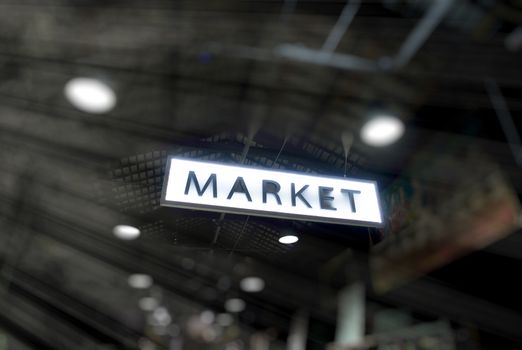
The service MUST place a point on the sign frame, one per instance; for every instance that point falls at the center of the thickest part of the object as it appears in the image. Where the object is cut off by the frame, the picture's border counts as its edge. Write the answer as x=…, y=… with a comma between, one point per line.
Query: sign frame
x=267, y=213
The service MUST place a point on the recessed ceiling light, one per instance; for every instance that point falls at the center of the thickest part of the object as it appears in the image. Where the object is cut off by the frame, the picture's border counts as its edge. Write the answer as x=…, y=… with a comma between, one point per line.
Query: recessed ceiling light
x=90, y=95
x=126, y=232
x=252, y=284
x=140, y=281
x=288, y=239
x=148, y=303
x=160, y=317
x=207, y=317
x=382, y=131
x=234, y=305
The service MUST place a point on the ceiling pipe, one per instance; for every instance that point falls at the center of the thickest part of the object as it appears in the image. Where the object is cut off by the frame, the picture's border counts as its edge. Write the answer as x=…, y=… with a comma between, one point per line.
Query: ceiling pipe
x=344, y=21
x=326, y=55
x=408, y=49
x=342, y=61
x=421, y=32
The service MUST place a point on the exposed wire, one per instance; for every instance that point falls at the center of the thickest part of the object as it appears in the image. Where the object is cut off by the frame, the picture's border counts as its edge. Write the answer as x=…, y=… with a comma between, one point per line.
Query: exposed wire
x=248, y=217
x=347, y=140
x=239, y=236
x=280, y=150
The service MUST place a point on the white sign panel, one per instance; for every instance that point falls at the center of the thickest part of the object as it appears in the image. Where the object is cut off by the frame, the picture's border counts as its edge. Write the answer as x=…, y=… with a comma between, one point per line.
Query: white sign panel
x=245, y=190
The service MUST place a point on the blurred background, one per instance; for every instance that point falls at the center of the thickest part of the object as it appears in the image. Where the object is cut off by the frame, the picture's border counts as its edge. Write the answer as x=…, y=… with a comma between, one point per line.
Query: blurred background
x=422, y=96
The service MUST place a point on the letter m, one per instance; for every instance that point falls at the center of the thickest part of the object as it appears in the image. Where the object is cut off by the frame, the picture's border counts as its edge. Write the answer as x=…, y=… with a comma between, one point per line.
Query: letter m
x=193, y=179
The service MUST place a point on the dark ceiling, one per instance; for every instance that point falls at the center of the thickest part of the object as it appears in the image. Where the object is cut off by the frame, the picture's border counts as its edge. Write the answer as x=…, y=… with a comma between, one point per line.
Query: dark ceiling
x=237, y=82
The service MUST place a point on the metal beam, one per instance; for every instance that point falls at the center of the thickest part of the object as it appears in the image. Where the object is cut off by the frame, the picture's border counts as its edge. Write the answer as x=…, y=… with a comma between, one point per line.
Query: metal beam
x=421, y=32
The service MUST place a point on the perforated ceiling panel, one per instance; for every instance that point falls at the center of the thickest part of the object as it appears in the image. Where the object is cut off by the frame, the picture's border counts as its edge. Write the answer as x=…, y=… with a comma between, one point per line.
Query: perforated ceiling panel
x=138, y=182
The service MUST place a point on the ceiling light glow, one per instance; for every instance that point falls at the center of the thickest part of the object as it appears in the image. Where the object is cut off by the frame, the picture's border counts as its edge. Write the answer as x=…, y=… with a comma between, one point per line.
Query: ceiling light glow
x=148, y=303
x=382, y=131
x=288, y=239
x=140, y=281
x=252, y=284
x=90, y=95
x=160, y=317
x=126, y=232
x=234, y=305
x=207, y=317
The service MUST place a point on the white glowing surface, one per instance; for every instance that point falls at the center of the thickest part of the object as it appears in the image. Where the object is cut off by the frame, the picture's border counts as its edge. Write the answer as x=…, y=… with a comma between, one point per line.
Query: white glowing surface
x=207, y=317
x=252, y=284
x=367, y=211
x=140, y=281
x=126, y=232
x=148, y=303
x=234, y=305
x=90, y=95
x=160, y=317
x=288, y=239
x=382, y=131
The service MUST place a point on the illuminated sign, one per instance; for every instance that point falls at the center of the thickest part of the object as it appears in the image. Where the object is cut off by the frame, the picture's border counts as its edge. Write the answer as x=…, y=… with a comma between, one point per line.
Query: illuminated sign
x=245, y=190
